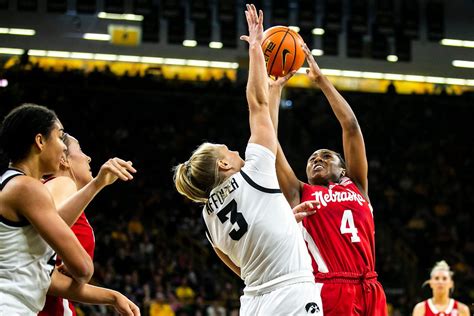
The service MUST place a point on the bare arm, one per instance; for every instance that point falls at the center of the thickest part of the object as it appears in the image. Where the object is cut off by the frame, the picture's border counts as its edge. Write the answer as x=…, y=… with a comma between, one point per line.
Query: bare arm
x=71, y=206
x=289, y=183
x=261, y=128
x=66, y=287
x=463, y=309
x=419, y=309
x=227, y=261
x=30, y=199
x=353, y=141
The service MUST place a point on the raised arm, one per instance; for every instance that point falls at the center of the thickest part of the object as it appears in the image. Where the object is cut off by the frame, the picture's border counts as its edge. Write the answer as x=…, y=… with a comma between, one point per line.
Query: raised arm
x=32, y=200
x=289, y=183
x=71, y=204
x=352, y=139
x=261, y=128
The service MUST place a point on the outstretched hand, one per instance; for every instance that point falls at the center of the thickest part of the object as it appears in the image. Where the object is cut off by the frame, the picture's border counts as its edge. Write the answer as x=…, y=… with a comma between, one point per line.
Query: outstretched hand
x=314, y=72
x=280, y=81
x=124, y=306
x=114, y=169
x=304, y=209
x=255, y=25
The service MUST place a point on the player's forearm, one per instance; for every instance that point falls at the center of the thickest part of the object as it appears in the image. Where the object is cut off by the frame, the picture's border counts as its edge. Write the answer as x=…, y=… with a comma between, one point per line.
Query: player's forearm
x=71, y=208
x=339, y=105
x=274, y=103
x=257, y=87
x=64, y=286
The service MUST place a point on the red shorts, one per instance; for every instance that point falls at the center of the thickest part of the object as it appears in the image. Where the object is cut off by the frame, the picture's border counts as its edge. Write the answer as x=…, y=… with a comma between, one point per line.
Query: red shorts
x=350, y=294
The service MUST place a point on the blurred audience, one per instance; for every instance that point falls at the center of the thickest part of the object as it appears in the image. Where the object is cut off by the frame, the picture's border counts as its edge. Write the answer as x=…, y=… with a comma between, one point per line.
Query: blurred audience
x=149, y=243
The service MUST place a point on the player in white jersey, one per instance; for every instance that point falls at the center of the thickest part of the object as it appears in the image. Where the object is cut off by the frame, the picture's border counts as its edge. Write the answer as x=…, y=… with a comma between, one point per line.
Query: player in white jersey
x=30, y=224
x=248, y=221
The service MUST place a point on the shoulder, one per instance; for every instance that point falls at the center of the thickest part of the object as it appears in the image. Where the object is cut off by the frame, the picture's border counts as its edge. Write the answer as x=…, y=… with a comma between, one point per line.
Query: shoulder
x=419, y=309
x=463, y=309
x=61, y=183
x=24, y=186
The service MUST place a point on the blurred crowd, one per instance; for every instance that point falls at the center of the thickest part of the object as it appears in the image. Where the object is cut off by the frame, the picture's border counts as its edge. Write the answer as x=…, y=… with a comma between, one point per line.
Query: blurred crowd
x=151, y=244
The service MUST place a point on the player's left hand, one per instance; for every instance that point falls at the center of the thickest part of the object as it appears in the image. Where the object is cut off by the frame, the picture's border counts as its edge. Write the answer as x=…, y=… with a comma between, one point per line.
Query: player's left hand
x=304, y=209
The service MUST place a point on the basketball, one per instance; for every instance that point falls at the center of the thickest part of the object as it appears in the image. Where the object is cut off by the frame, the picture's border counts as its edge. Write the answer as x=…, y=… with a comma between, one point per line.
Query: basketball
x=282, y=49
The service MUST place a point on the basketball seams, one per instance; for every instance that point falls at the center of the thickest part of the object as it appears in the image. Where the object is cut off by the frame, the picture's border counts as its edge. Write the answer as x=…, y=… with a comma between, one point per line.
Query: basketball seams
x=275, y=54
x=278, y=49
x=295, y=50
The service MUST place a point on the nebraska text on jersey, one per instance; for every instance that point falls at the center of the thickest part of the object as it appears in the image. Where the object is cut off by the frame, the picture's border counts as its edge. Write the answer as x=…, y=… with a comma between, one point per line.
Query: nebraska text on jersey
x=337, y=196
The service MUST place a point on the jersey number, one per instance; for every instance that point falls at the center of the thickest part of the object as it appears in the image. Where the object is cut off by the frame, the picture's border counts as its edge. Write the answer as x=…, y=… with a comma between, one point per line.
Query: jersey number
x=348, y=227
x=235, y=217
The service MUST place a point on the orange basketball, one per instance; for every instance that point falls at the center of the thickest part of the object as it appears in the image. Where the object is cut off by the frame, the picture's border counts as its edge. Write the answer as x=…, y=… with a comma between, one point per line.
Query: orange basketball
x=282, y=49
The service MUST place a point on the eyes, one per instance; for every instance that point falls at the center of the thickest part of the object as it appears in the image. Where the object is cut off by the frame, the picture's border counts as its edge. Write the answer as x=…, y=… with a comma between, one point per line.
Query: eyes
x=325, y=156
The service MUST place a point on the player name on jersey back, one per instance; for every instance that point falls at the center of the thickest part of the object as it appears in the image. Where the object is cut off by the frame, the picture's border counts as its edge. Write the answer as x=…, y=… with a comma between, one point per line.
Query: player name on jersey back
x=217, y=198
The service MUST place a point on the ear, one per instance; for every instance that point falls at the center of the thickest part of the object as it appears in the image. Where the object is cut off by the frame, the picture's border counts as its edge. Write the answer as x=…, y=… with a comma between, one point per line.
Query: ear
x=343, y=172
x=40, y=141
x=64, y=161
x=223, y=164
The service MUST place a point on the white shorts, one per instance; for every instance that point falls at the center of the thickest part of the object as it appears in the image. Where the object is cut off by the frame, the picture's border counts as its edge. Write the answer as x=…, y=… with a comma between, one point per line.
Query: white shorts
x=296, y=299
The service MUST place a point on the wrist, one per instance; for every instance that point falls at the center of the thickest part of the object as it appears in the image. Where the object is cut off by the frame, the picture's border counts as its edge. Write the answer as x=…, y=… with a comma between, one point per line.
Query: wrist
x=97, y=185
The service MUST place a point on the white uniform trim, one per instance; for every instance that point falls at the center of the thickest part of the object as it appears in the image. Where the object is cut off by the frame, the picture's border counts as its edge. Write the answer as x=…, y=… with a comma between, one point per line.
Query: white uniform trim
x=314, y=250
x=433, y=308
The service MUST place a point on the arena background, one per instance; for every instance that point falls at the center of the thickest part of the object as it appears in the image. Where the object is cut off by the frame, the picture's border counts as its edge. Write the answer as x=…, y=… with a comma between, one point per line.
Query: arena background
x=149, y=80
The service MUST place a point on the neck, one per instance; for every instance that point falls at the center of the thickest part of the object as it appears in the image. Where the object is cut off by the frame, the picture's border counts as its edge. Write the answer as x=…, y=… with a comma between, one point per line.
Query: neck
x=440, y=299
x=27, y=169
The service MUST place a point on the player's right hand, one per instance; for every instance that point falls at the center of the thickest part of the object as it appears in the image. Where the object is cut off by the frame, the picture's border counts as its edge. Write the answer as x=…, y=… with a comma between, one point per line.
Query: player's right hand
x=305, y=209
x=124, y=306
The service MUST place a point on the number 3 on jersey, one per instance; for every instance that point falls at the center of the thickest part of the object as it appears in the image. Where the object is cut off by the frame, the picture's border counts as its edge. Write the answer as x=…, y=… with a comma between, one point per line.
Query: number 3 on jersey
x=235, y=217
x=348, y=227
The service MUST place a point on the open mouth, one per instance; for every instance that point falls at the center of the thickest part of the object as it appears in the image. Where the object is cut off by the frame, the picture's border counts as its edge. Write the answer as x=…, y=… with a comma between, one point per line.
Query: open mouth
x=318, y=167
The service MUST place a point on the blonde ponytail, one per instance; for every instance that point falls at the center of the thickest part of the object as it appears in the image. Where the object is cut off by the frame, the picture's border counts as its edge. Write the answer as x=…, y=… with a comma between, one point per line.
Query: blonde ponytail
x=196, y=178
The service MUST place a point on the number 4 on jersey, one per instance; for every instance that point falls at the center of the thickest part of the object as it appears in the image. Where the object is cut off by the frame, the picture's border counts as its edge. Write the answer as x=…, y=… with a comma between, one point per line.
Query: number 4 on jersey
x=348, y=227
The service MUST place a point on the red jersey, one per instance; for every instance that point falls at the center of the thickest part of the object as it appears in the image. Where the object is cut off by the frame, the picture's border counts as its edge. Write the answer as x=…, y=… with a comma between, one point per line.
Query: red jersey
x=58, y=306
x=340, y=236
x=451, y=310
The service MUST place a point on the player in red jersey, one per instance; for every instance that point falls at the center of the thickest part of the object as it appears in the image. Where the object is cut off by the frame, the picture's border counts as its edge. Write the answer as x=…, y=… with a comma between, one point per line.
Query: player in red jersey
x=440, y=304
x=74, y=174
x=340, y=236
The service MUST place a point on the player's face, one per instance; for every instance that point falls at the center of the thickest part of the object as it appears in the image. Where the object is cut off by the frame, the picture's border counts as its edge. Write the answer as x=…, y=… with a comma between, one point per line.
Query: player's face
x=53, y=149
x=323, y=166
x=232, y=157
x=79, y=163
x=441, y=282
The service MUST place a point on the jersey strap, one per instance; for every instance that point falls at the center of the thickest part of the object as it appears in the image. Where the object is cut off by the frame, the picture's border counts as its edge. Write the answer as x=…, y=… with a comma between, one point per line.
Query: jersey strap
x=256, y=186
x=5, y=178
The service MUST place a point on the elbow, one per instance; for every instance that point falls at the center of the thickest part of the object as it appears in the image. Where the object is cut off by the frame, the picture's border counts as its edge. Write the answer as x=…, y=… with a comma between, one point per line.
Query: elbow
x=83, y=274
x=351, y=125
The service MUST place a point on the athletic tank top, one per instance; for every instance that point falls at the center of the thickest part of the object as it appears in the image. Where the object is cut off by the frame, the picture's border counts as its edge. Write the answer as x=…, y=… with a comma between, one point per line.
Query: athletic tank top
x=26, y=264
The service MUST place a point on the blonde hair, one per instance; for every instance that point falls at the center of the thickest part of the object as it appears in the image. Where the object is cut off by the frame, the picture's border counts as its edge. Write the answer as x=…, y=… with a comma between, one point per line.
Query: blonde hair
x=196, y=177
x=440, y=266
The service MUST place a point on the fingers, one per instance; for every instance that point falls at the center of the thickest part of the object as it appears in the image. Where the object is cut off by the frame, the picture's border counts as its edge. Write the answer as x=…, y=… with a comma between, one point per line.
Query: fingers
x=300, y=216
x=244, y=38
x=305, y=207
x=122, y=169
x=288, y=76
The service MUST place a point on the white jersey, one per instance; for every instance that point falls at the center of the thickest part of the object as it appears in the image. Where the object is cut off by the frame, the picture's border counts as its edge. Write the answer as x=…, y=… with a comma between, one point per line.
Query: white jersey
x=26, y=265
x=248, y=218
